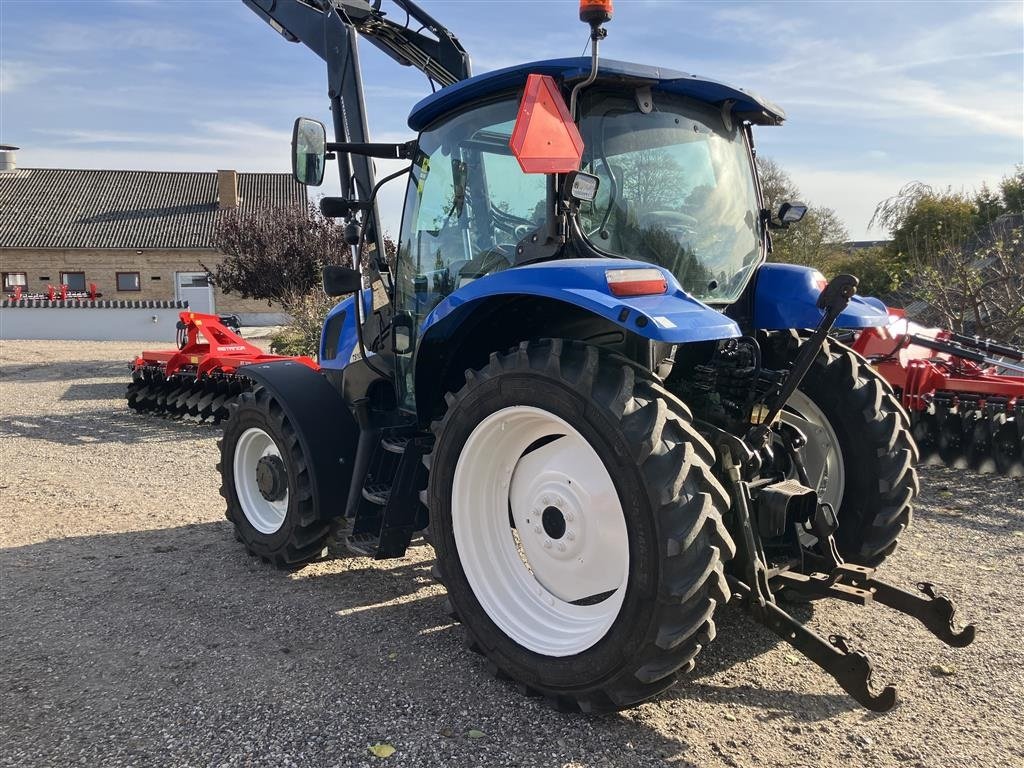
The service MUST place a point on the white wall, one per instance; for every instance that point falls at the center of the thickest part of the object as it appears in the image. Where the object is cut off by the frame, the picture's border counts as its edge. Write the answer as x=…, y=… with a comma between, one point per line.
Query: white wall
x=91, y=323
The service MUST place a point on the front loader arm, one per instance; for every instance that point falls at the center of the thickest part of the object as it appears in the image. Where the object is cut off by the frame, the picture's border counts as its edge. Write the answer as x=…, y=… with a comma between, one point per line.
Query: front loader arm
x=320, y=27
x=330, y=28
x=443, y=59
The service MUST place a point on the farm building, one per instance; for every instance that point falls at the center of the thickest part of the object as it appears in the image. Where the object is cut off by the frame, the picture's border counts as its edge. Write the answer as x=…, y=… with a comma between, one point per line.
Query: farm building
x=136, y=235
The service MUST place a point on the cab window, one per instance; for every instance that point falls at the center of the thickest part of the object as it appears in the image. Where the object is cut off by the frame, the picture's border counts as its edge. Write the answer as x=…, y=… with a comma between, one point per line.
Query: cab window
x=468, y=205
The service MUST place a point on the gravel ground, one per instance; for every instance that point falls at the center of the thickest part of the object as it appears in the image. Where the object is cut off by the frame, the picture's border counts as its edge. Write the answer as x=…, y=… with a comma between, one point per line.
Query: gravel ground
x=135, y=630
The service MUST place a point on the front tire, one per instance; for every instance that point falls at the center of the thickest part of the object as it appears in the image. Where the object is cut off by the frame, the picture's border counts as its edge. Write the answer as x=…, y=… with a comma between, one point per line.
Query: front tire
x=577, y=525
x=266, y=481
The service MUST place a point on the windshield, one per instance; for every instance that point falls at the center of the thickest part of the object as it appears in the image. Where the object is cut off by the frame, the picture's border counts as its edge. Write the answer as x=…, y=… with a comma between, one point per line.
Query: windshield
x=677, y=189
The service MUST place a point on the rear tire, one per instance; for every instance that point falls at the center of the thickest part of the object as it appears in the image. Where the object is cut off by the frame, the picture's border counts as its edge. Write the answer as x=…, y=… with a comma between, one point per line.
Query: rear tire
x=875, y=446
x=643, y=473
x=267, y=483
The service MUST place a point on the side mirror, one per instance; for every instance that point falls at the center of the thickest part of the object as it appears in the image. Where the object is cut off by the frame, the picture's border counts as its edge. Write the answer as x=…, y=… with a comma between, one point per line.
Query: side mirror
x=401, y=333
x=341, y=281
x=791, y=213
x=309, y=151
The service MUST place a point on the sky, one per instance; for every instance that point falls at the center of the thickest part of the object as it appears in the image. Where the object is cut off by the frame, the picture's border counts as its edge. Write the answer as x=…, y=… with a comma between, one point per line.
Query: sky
x=877, y=94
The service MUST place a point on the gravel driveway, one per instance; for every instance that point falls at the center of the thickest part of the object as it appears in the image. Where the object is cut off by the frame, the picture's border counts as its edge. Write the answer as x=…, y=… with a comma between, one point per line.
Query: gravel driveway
x=136, y=631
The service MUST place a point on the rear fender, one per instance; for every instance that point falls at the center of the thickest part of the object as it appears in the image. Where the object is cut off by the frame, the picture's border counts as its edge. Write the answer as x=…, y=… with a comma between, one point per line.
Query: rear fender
x=786, y=295
x=673, y=317
x=326, y=429
x=566, y=299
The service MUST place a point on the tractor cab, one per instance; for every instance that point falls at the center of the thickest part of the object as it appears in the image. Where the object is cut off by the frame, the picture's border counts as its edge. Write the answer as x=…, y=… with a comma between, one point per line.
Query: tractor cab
x=670, y=154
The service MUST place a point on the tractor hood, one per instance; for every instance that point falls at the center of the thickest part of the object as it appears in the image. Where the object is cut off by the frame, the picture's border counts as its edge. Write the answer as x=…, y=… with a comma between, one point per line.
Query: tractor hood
x=744, y=104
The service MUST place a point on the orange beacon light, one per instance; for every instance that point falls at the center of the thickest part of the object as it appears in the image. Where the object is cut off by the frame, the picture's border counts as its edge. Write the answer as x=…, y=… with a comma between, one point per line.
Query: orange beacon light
x=595, y=12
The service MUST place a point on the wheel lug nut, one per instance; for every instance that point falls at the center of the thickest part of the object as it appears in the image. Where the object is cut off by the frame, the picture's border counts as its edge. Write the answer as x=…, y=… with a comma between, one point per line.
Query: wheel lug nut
x=570, y=536
x=536, y=529
x=547, y=543
x=561, y=547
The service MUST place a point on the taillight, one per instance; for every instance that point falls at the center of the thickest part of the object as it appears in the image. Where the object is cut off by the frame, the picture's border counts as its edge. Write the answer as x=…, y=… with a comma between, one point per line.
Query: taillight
x=636, y=282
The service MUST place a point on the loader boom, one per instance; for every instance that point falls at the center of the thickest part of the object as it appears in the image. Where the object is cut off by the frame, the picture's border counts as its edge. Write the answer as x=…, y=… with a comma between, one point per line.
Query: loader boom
x=330, y=28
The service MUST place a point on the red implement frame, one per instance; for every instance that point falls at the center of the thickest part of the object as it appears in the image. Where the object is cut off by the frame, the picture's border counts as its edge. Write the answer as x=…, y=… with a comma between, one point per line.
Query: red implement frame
x=918, y=373
x=209, y=346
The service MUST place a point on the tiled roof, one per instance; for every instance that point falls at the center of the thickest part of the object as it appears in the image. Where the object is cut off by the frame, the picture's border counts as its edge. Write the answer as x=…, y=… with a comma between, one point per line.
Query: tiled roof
x=60, y=208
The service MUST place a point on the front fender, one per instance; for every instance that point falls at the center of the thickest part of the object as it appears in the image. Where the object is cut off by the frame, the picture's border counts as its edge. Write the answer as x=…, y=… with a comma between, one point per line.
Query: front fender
x=326, y=429
x=673, y=317
x=786, y=296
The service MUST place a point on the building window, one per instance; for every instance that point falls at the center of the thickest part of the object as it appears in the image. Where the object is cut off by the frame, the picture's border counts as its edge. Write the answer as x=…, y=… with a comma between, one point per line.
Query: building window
x=128, y=281
x=75, y=281
x=14, y=279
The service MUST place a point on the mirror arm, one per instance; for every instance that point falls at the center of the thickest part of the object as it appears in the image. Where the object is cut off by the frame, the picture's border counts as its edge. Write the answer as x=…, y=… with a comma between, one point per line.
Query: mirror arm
x=770, y=222
x=404, y=151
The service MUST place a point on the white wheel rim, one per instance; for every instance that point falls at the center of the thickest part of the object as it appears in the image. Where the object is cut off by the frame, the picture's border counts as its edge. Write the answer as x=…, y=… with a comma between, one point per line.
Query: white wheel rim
x=264, y=515
x=529, y=580
x=822, y=457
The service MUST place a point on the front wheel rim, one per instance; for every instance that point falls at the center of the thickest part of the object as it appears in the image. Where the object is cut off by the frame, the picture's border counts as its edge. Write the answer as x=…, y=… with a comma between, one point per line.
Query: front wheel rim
x=822, y=456
x=265, y=515
x=555, y=582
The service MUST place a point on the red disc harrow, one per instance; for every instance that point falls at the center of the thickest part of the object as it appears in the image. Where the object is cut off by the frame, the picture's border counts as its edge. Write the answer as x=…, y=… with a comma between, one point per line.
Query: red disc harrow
x=965, y=395
x=203, y=376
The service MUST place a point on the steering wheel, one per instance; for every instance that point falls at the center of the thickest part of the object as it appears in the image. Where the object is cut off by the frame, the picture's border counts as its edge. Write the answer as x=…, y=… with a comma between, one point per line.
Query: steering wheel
x=668, y=219
x=494, y=259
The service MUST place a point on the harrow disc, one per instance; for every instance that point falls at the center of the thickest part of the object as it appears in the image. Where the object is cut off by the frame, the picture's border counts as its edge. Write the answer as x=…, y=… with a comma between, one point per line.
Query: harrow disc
x=1007, y=451
x=978, y=442
x=143, y=390
x=203, y=400
x=950, y=441
x=925, y=430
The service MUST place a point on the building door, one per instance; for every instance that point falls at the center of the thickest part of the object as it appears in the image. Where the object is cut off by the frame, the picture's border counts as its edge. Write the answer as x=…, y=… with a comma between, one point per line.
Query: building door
x=195, y=288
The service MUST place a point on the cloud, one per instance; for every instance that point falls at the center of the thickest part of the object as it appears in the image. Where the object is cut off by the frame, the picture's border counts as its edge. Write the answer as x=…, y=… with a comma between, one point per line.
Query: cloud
x=19, y=74
x=214, y=135
x=119, y=34
x=938, y=79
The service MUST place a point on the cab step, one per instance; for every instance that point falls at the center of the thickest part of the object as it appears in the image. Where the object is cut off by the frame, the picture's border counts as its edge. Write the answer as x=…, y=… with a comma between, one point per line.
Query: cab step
x=363, y=544
x=377, y=493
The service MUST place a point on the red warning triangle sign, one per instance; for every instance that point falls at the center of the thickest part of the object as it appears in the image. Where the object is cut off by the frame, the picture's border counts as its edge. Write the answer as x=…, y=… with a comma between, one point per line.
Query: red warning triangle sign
x=545, y=138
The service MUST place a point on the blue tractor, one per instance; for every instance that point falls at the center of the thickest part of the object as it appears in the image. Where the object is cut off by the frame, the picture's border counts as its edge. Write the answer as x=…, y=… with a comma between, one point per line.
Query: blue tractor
x=578, y=376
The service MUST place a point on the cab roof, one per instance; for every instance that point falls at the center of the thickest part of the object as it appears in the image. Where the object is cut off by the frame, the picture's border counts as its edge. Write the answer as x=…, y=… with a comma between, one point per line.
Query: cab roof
x=746, y=105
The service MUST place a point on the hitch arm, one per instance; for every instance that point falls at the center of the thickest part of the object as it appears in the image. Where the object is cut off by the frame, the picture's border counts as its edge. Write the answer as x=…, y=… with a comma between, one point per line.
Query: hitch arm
x=851, y=669
x=933, y=610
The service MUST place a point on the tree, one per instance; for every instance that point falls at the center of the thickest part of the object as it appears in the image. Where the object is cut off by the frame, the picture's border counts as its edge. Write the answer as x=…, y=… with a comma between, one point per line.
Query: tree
x=1011, y=188
x=874, y=267
x=979, y=289
x=278, y=256
x=923, y=221
x=817, y=239
x=962, y=254
x=988, y=205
